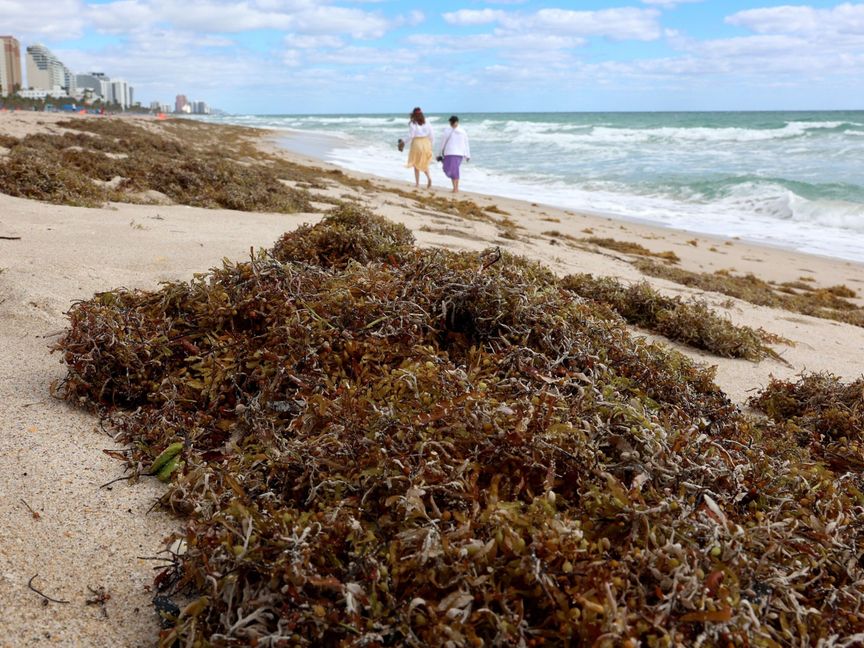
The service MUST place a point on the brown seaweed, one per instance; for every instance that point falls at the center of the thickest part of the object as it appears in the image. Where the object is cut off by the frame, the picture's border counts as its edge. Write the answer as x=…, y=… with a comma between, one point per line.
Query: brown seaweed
x=692, y=323
x=827, y=303
x=629, y=247
x=821, y=412
x=384, y=445
x=71, y=168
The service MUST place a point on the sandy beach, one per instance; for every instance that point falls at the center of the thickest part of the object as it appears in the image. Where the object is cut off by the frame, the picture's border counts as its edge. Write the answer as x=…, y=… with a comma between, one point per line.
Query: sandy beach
x=67, y=537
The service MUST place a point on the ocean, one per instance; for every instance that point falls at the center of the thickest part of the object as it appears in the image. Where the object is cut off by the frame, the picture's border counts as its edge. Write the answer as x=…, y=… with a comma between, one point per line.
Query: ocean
x=790, y=179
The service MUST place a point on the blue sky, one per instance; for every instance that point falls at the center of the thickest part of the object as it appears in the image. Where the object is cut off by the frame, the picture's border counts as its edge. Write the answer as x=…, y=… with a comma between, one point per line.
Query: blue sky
x=355, y=56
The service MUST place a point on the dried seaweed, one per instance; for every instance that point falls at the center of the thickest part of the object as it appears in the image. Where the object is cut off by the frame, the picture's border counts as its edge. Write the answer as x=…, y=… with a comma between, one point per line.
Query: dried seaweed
x=822, y=412
x=827, y=303
x=66, y=168
x=429, y=448
x=692, y=323
x=353, y=233
x=629, y=247
x=32, y=174
x=467, y=209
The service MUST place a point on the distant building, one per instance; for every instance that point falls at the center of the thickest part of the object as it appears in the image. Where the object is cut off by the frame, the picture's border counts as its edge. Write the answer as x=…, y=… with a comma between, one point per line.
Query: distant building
x=180, y=104
x=10, y=65
x=69, y=82
x=57, y=93
x=159, y=107
x=119, y=93
x=44, y=70
x=96, y=82
x=200, y=108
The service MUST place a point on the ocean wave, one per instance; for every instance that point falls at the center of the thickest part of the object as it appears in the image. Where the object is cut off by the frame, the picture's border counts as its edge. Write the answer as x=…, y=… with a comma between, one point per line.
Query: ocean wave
x=778, y=202
x=350, y=121
x=595, y=135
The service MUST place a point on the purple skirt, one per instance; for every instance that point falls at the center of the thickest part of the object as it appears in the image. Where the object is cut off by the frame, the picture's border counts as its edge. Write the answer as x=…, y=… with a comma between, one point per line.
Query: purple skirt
x=451, y=166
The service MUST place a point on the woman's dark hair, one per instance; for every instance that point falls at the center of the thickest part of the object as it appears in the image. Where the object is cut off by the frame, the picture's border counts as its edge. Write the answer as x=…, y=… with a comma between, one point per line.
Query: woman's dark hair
x=417, y=117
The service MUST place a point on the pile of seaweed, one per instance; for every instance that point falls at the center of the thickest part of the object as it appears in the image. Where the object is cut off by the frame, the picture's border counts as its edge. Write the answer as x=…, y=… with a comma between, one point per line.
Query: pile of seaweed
x=97, y=160
x=828, y=303
x=692, y=323
x=821, y=412
x=381, y=445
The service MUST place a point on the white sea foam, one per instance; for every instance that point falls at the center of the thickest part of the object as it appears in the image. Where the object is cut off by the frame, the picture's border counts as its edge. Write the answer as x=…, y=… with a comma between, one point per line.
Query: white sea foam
x=528, y=132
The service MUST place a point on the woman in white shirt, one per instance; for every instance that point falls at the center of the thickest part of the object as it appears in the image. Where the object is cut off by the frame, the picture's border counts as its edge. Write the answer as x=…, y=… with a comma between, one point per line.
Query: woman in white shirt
x=454, y=149
x=419, y=146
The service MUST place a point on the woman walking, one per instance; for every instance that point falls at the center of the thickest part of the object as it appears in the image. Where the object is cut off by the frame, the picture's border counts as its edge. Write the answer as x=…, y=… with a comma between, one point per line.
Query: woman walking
x=454, y=149
x=419, y=146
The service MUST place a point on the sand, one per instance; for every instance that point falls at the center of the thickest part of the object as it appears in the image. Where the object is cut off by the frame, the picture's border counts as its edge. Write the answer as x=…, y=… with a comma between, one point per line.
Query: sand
x=51, y=455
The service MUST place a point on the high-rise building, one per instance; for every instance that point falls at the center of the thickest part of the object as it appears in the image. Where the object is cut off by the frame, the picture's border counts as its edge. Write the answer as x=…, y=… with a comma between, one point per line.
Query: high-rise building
x=44, y=70
x=119, y=93
x=96, y=82
x=69, y=83
x=180, y=104
x=10, y=65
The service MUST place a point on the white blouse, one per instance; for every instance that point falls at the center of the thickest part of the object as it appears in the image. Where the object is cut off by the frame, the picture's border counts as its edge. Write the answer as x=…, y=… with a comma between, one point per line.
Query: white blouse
x=416, y=130
x=455, y=142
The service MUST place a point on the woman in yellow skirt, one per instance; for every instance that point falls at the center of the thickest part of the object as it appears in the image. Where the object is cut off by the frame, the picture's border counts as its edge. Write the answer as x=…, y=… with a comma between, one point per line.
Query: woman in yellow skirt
x=419, y=146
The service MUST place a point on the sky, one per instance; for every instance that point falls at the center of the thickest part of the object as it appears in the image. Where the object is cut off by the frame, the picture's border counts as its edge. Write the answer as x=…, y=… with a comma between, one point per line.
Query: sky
x=386, y=56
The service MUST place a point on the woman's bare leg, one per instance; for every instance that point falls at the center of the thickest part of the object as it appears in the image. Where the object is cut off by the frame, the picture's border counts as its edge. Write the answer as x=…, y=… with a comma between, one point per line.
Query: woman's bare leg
x=416, y=177
x=428, y=180
x=455, y=185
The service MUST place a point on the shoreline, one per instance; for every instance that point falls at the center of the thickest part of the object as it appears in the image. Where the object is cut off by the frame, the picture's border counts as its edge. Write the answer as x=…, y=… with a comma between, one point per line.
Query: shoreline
x=52, y=455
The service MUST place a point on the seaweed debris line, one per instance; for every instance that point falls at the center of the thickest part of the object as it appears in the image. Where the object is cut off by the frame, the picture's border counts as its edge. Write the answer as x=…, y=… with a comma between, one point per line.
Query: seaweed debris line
x=376, y=445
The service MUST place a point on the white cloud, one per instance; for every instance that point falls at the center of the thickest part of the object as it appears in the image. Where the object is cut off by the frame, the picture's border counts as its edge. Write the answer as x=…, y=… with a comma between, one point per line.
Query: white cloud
x=292, y=58
x=508, y=43
x=156, y=62
x=412, y=19
x=119, y=17
x=209, y=16
x=627, y=23
x=367, y=56
x=619, y=24
x=669, y=4
x=797, y=44
x=339, y=20
x=306, y=41
x=465, y=17
x=845, y=18
x=32, y=19
x=787, y=47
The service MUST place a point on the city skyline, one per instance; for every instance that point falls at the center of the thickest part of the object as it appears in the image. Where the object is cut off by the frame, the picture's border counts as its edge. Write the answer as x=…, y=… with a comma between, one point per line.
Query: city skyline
x=348, y=56
x=48, y=77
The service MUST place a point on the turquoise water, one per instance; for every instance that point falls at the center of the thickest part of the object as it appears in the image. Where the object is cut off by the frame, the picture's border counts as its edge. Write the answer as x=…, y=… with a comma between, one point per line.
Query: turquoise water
x=794, y=179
